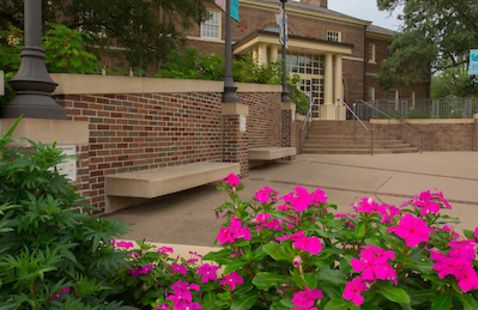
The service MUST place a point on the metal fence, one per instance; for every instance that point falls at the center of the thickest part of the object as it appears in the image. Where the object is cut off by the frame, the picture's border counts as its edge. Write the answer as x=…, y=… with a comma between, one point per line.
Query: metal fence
x=421, y=108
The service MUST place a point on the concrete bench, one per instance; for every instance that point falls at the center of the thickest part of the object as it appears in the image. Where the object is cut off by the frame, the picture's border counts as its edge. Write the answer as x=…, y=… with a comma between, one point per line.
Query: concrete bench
x=271, y=153
x=133, y=188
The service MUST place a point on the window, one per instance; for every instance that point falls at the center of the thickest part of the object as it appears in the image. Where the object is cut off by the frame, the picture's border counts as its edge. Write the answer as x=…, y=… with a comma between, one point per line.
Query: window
x=334, y=36
x=301, y=63
x=371, y=53
x=211, y=28
x=371, y=94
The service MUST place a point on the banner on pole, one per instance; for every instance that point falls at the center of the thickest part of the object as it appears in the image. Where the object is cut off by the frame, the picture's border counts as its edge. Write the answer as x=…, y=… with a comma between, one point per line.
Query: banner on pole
x=234, y=7
x=473, y=70
x=282, y=22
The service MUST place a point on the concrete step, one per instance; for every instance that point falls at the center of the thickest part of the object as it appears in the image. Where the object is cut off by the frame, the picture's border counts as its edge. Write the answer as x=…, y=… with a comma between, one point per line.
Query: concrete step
x=352, y=140
x=360, y=151
x=357, y=146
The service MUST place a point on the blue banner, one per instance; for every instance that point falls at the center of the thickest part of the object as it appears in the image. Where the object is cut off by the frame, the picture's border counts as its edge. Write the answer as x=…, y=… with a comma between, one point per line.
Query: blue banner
x=473, y=70
x=235, y=9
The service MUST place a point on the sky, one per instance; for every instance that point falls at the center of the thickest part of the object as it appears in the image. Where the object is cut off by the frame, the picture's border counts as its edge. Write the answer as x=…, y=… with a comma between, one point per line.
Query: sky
x=366, y=9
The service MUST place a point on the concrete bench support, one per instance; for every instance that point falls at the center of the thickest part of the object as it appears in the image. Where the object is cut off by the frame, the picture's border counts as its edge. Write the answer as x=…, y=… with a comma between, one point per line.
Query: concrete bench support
x=271, y=153
x=132, y=188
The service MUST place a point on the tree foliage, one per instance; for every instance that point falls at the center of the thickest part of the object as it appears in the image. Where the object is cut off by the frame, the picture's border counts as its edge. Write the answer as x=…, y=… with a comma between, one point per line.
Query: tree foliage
x=435, y=33
x=146, y=29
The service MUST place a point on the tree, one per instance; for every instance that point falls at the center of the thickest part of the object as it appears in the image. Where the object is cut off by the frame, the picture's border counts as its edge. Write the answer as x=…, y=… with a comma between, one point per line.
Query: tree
x=436, y=34
x=146, y=29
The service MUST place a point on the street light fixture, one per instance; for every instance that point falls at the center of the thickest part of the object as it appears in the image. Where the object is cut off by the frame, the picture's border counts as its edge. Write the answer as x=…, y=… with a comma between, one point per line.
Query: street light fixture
x=285, y=91
x=230, y=91
x=32, y=83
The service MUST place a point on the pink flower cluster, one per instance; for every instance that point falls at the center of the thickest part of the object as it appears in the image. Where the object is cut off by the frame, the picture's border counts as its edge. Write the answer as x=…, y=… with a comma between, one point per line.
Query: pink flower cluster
x=412, y=229
x=182, y=296
x=164, y=250
x=233, y=180
x=429, y=202
x=369, y=206
x=235, y=231
x=300, y=199
x=353, y=291
x=265, y=220
x=125, y=245
x=61, y=293
x=374, y=264
x=140, y=270
x=208, y=273
x=300, y=241
x=266, y=195
x=458, y=263
x=178, y=268
x=232, y=280
x=306, y=299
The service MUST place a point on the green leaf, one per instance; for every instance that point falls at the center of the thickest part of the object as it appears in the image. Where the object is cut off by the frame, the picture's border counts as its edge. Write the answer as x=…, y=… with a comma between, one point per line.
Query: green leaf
x=337, y=304
x=469, y=303
x=266, y=280
x=394, y=293
x=443, y=302
x=221, y=257
x=360, y=231
x=234, y=266
x=336, y=277
x=245, y=302
x=279, y=252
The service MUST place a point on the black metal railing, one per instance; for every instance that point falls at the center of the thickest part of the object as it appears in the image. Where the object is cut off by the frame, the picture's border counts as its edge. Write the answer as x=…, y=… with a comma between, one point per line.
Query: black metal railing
x=356, y=119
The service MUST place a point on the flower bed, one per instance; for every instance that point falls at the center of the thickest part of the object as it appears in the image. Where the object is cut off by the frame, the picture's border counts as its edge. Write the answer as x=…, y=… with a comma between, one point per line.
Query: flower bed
x=293, y=252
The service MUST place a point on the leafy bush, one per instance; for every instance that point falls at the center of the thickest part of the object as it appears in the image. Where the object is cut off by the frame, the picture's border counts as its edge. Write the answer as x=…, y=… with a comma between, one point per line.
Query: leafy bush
x=293, y=252
x=52, y=255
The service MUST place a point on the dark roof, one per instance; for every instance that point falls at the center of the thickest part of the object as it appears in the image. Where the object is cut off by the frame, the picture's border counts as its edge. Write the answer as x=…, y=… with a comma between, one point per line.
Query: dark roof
x=317, y=8
x=381, y=30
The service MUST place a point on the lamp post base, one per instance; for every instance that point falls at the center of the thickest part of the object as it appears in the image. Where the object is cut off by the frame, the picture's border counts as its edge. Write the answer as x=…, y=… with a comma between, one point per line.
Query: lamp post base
x=230, y=95
x=285, y=97
x=33, y=106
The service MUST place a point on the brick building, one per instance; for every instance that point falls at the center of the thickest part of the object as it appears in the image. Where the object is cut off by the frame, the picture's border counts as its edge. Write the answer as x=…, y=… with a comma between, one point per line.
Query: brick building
x=337, y=56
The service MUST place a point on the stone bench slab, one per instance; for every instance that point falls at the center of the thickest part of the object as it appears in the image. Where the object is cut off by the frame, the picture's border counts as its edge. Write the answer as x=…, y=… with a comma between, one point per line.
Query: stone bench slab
x=271, y=153
x=158, y=182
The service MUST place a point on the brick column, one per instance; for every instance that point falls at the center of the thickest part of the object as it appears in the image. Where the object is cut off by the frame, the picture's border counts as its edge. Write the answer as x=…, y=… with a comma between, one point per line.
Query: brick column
x=475, y=134
x=288, y=124
x=235, y=140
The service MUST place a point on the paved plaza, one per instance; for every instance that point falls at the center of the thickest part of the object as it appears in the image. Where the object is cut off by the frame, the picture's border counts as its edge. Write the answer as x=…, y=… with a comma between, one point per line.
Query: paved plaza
x=188, y=217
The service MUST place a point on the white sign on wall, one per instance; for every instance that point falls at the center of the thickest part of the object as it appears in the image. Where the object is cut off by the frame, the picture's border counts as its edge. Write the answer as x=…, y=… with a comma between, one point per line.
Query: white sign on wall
x=243, y=123
x=2, y=83
x=68, y=167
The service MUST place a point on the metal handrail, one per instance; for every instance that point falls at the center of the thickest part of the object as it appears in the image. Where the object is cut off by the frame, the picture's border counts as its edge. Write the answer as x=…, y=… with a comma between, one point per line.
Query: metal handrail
x=400, y=121
x=307, y=120
x=357, y=118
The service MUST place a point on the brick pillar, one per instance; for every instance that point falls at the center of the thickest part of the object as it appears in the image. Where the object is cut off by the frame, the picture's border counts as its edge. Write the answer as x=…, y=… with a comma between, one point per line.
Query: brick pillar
x=288, y=125
x=475, y=134
x=235, y=140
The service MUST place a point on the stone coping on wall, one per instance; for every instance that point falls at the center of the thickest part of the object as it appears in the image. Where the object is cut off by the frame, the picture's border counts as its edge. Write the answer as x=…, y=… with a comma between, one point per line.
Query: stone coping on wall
x=84, y=84
x=434, y=121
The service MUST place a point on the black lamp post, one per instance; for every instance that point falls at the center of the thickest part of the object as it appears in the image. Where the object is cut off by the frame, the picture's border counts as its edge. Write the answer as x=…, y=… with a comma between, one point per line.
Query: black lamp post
x=230, y=91
x=285, y=91
x=32, y=83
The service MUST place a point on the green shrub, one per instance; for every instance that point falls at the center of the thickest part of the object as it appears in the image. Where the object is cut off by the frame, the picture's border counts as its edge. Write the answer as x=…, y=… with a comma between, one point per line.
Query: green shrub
x=52, y=254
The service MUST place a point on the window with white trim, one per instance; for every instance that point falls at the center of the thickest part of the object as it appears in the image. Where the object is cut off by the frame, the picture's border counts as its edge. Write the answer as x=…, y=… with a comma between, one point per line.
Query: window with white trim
x=211, y=28
x=334, y=36
x=371, y=53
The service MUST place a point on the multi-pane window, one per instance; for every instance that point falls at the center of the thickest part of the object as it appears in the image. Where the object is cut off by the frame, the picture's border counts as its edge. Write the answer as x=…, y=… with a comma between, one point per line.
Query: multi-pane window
x=314, y=89
x=371, y=53
x=334, y=36
x=301, y=63
x=211, y=28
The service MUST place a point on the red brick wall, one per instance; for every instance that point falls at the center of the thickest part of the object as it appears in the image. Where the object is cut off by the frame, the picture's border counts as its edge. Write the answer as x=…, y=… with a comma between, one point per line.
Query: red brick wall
x=147, y=131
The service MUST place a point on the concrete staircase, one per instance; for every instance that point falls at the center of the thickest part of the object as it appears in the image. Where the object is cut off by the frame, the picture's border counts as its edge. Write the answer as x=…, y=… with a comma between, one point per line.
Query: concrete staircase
x=337, y=137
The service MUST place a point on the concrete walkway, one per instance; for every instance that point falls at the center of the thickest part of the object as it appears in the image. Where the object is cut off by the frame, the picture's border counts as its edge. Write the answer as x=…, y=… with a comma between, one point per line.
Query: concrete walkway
x=189, y=217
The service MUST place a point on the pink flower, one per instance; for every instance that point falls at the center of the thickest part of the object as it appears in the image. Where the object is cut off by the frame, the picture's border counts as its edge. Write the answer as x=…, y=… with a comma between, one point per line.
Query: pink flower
x=164, y=250
x=265, y=195
x=300, y=199
x=306, y=299
x=140, y=270
x=412, y=229
x=353, y=291
x=476, y=233
x=430, y=202
x=182, y=297
x=304, y=243
x=161, y=307
x=232, y=280
x=126, y=245
x=388, y=213
x=460, y=267
x=233, y=180
x=233, y=232
x=208, y=273
x=373, y=264
x=366, y=205
x=319, y=196
x=297, y=261
x=60, y=293
x=178, y=268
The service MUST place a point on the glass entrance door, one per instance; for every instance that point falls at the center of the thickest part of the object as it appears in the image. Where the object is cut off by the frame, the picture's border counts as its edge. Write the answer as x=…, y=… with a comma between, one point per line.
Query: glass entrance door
x=314, y=89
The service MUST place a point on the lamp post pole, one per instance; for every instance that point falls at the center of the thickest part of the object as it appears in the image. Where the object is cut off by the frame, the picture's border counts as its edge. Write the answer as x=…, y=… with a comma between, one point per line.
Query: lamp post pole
x=230, y=91
x=285, y=92
x=32, y=83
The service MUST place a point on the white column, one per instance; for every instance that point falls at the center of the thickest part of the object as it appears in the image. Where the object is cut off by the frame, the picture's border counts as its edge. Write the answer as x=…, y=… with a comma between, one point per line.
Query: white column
x=338, y=80
x=262, y=55
x=273, y=53
x=329, y=80
x=255, y=53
